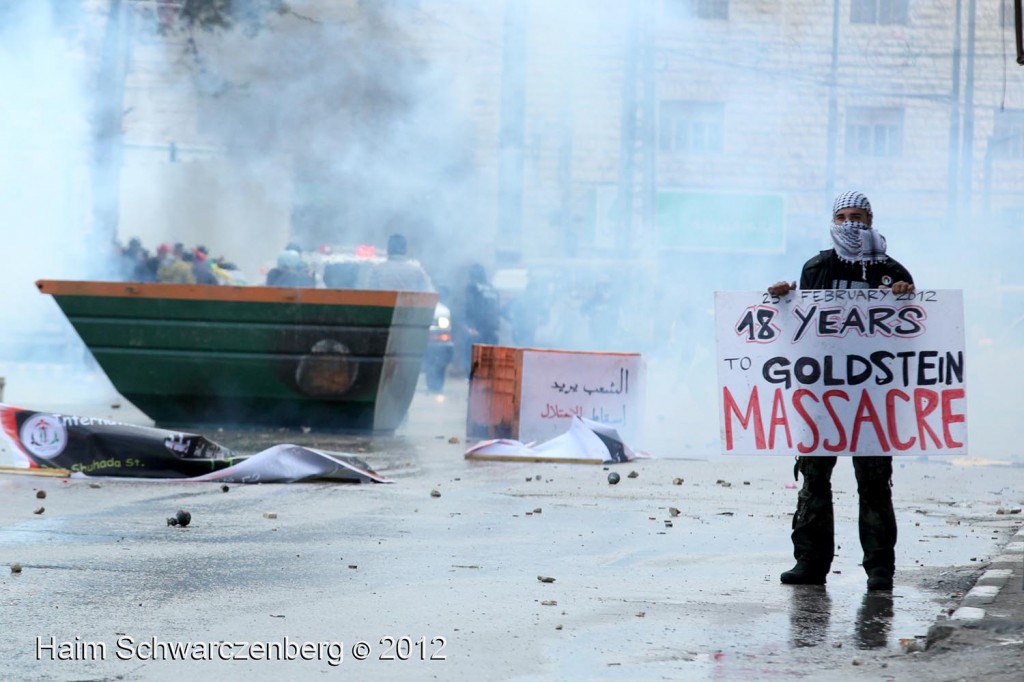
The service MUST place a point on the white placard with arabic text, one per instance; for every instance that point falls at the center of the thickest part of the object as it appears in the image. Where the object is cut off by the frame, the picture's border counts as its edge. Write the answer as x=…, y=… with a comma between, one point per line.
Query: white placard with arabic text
x=842, y=372
x=560, y=385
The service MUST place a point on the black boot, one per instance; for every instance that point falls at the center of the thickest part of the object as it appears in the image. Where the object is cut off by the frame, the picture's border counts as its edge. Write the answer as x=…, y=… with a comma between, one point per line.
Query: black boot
x=804, y=574
x=880, y=579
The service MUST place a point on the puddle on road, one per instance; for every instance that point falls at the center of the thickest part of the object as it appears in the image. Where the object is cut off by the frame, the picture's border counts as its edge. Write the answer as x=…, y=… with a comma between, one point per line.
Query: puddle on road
x=768, y=631
x=861, y=620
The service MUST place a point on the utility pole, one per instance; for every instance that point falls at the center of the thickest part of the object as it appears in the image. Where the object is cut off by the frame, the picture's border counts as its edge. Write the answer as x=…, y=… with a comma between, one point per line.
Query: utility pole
x=954, y=122
x=1018, y=29
x=107, y=136
x=833, y=112
x=512, y=131
x=636, y=202
x=967, y=162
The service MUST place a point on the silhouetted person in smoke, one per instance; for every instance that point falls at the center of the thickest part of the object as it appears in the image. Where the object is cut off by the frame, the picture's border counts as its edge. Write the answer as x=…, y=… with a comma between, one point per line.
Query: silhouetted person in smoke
x=201, y=267
x=399, y=272
x=482, y=317
x=858, y=260
x=175, y=269
x=602, y=314
x=147, y=270
x=526, y=312
x=291, y=271
x=133, y=260
x=227, y=272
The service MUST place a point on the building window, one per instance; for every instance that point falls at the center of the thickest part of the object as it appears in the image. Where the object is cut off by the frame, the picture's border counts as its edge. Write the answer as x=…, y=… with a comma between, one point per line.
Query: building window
x=878, y=11
x=688, y=127
x=711, y=9
x=874, y=131
x=1007, y=141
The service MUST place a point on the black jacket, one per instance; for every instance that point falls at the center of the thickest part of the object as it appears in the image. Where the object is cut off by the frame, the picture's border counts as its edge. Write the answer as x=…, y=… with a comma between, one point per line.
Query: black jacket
x=826, y=268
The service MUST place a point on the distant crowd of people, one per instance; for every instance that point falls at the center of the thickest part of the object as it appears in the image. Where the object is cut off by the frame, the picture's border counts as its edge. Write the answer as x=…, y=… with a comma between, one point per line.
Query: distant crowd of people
x=585, y=317
x=176, y=264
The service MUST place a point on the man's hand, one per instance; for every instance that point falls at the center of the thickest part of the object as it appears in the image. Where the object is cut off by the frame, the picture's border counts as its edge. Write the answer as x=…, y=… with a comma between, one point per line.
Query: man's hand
x=781, y=288
x=902, y=287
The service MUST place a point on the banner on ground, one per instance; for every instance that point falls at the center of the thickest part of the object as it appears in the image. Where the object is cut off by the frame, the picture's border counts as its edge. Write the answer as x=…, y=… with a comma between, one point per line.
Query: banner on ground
x=841, y=372
x=586, y=442
x=87, y=446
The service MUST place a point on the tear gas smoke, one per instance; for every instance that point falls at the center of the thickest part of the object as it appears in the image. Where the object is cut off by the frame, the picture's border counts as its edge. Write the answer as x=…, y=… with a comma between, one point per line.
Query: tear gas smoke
x=342, y=122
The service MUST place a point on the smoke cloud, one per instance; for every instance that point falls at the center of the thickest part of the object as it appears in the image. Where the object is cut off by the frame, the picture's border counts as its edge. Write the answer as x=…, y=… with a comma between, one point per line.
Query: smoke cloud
x=492, y=132
x=44, y=186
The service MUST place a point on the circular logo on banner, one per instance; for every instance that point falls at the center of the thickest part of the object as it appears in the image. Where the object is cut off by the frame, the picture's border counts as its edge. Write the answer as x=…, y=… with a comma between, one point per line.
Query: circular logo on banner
x=44, y=435
x=887, y=281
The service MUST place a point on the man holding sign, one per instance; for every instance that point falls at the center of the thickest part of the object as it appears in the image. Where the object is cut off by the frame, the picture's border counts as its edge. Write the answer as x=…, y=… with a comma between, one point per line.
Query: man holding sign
x=858, y=260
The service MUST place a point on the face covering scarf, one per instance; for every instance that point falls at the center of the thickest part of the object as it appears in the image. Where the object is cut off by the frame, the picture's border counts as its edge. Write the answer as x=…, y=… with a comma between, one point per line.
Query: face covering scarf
x=855, y=242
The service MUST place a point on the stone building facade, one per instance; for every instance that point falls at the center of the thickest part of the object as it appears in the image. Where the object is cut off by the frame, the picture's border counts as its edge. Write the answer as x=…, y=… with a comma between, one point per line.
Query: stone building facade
x=741, y=118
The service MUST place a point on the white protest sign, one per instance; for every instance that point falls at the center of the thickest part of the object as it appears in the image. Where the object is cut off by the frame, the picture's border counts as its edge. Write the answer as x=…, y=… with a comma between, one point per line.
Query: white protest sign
x=844, y=372
x=559, y=385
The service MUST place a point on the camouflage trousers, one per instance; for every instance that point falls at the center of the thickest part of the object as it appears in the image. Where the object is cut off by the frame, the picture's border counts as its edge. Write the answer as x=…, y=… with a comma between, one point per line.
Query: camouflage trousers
x=814, y=521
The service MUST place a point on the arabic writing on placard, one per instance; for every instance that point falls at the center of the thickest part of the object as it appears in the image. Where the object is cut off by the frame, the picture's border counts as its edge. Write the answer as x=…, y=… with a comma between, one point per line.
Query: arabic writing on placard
x=613, y=388
x=616, y=387
x=558, y=386
x=598, y=414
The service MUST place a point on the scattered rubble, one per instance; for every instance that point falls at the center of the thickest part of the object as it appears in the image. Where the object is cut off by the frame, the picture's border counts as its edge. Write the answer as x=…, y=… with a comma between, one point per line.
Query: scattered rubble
x=672, y=511
x=41, y=495
x=545, y=579
x=454, y=440
x=632, y=474
x=224, y=488
x=270, y=515
x=613, y=478
x=677, y=481
x=435, y=493
x=39, y=510
x=182, y=518
x=15, y=568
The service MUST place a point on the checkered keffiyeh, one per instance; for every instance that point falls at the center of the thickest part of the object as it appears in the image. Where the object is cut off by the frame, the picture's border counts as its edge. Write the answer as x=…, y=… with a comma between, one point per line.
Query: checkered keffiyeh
x=851, y=200
x=854, y=241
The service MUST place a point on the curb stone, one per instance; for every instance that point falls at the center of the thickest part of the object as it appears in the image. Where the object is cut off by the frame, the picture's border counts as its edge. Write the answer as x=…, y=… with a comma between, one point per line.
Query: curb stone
x=996, y=602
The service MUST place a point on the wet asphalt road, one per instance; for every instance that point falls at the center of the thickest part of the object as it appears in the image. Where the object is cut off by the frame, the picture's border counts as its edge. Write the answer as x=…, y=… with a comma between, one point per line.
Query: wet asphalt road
x=450, y=583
